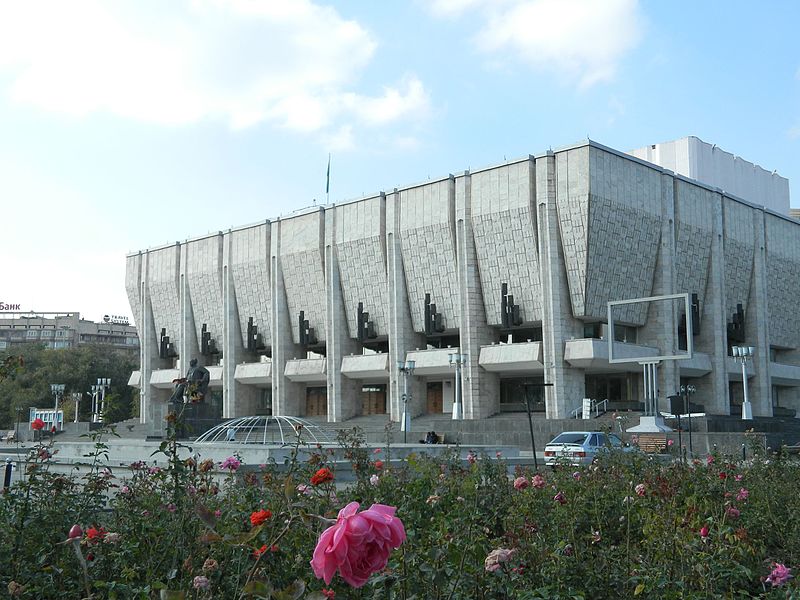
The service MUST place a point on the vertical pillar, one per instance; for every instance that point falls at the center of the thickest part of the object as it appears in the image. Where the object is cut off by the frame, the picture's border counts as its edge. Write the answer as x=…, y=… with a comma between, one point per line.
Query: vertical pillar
x=712, y=389
x=402, y=337
x=343, y=393
x=287, y=397
x=558, y=325
x=660, y=330
x=757, y=322
x=480, y=389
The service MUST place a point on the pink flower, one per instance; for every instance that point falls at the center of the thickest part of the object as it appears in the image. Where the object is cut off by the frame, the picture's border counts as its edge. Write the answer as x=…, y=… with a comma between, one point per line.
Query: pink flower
x=742, y=495
x=498, y=454
x=218, y=513
x=75, y=532
x=125, y=490
x=359, y=544
x=538, y=481
x=780, y=574
x=560, y=498
x=704, y=531
x=471, y=458
x=670, y=443
x=231, y=463
x=732, y=512
x=374, y=480
x=201, y=582
x=641, y=490
x=304, y=489
x=739, y=477
x=497, y=557
x=520, y=483
x=171, y=507
x=576, y=475
x=709, y=460
x=376, y=451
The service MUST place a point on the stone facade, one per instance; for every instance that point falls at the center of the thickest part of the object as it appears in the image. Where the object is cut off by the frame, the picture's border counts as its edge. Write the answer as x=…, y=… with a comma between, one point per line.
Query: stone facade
x=565, y=232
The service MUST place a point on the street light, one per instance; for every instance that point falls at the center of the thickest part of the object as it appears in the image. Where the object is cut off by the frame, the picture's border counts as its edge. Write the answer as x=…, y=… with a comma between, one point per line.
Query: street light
x=686, y=391
x=76, y=396
x=57, y=389
x=742, y=354
x=406, y=368
x=456, y=361
x=99, y=399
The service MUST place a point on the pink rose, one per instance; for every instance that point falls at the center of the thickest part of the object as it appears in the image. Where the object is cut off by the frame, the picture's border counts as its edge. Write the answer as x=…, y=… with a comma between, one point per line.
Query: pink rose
x=560, y=498
x=520, y=483
x=780, y=574
x=498, y=556
x=359, y=544
x=538, y=481
x=641, y=490
x=704, y=531
x=742, y=495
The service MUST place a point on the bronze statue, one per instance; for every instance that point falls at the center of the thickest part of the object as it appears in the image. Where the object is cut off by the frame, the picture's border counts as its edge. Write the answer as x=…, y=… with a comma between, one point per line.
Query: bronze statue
x=194, y=386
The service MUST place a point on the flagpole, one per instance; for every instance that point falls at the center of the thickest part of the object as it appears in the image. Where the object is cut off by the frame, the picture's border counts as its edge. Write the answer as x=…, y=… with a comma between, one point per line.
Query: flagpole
x=328, y=181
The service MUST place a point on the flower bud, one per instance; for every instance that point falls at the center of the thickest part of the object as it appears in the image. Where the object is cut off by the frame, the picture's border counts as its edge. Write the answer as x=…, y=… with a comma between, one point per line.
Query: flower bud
x=75, y=532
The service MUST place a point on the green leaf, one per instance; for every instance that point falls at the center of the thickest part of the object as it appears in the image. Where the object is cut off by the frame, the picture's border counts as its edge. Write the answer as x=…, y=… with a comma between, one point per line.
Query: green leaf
x=292, y=592
x=172, y=595
x=258, y=589
x=639, y=589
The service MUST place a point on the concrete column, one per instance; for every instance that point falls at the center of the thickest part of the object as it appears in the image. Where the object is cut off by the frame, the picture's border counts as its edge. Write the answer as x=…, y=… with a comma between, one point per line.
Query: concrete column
x=660, y=330
x=238, y=400
x=757, y=322
x=558, y=324
x=344, y=398
x=480, y=389
x=287, y=397
x=402, y=337
x=189, y=347
x=712, y=389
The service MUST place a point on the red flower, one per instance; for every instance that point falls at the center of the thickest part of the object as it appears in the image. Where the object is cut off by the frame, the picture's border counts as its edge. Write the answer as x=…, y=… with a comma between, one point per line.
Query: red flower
x=723, y=475
x=379, y=464
x=328, y=593
x=704, y=531
x=37, y=424
x=95, y=535
x=322, y=476
x=259, y=551
x=258, y=517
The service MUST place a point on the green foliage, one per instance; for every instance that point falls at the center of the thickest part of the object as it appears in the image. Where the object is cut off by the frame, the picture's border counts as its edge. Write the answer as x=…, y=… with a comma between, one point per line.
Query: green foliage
x=27, y=374
x=626, y=527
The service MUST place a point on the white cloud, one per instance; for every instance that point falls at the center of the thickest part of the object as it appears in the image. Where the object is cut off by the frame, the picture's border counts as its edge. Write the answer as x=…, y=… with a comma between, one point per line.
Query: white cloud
x=580, y=40
x=244, y=61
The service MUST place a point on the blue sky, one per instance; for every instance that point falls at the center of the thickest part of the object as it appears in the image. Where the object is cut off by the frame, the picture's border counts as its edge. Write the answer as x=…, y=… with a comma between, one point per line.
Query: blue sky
x=126, y=125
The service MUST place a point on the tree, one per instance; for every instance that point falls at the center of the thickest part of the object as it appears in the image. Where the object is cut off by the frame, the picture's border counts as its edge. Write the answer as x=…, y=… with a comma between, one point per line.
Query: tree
x=77, y=368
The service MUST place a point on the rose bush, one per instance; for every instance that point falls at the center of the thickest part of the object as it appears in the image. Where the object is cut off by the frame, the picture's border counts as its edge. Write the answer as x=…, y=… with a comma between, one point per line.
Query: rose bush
x=625, y=527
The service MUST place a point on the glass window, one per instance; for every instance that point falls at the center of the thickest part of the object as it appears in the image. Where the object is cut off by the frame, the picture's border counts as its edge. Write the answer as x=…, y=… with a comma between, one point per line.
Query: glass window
x=614, y=441
x=569, y=438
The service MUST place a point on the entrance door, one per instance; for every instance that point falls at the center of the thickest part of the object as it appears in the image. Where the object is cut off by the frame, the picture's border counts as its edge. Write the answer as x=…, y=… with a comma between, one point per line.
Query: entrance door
x=373, y=400
x=316, y=402
x=435, y=398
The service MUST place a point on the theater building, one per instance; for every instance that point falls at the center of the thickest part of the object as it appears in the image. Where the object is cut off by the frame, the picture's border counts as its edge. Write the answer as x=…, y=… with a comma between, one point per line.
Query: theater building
x=509, y=267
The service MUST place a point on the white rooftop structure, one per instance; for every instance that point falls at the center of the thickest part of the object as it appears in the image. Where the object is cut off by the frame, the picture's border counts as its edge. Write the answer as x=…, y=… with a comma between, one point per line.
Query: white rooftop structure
x=710, y=164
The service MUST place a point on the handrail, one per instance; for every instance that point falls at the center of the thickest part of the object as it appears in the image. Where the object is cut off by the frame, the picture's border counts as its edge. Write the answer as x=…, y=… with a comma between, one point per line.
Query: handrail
x=596, y=406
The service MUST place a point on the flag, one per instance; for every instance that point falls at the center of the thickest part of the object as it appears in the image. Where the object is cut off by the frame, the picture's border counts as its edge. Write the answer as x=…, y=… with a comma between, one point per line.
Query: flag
x=328, y=176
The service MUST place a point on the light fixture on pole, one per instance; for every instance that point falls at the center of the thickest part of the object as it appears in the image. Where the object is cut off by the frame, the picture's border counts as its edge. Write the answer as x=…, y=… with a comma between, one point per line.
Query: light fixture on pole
x=76, y=396
x=457, y=361
x=406, y=368
x=57, y=389
x=742, y=354
x=104, y=384
x=686, y=392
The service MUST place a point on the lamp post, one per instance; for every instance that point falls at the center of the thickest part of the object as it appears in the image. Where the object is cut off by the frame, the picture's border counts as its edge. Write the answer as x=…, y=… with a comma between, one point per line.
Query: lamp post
x=457, y=361
x=99, y=399
x=76, y=396
x=742, y=354
x=57, y=389
x=406, y=368
x=686, y=391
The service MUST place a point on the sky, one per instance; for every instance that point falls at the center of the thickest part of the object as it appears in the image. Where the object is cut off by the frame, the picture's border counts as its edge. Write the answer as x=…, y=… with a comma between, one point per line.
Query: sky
x=126, y=125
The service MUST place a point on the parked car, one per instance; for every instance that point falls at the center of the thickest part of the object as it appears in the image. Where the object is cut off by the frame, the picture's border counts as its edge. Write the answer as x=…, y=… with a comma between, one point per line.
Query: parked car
x=581, y=447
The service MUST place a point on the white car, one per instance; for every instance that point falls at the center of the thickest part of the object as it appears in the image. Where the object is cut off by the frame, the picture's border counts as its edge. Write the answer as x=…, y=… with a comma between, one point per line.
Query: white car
x=581, y=447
